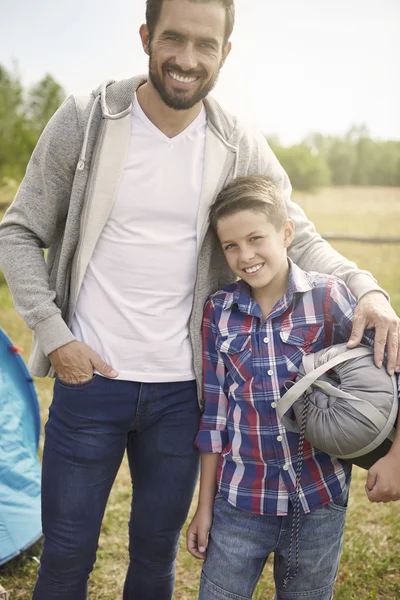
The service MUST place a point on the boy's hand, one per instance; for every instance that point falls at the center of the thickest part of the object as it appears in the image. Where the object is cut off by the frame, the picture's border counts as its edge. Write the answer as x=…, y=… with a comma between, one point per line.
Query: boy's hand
x=383, y=480
x=197, y=533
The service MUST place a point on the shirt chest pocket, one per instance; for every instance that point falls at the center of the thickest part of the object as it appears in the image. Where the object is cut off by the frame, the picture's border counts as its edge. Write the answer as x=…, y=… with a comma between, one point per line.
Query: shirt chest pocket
x=236, y=353
x=300, y=340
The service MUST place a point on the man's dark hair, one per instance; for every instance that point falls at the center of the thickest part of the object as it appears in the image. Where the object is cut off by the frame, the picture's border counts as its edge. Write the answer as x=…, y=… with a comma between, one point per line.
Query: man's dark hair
x=153, y=10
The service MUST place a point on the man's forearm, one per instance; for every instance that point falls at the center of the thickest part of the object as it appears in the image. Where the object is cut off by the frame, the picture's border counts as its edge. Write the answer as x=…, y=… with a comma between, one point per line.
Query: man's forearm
x=312, y=253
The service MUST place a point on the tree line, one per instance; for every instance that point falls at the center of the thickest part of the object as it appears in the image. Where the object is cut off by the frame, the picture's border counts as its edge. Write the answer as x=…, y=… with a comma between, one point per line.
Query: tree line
x=355, y=159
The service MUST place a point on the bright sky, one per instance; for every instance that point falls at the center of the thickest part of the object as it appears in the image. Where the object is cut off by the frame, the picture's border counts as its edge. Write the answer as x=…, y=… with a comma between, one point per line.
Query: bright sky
x=296, y=65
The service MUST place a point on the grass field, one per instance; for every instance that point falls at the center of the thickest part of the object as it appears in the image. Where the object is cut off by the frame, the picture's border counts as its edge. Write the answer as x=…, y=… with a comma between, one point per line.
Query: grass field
x=370, y=567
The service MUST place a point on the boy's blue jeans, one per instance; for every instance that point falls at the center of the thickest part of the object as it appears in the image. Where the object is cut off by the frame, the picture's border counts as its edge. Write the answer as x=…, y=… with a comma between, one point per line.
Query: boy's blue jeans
x=241, y=542
x=89, y=427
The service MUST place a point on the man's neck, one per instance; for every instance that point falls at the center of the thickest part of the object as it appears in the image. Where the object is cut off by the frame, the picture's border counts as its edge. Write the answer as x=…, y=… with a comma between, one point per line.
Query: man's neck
x=171, y=122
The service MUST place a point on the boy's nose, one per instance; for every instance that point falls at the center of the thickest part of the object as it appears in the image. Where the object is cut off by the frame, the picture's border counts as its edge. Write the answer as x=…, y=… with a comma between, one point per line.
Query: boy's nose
x=247, y=255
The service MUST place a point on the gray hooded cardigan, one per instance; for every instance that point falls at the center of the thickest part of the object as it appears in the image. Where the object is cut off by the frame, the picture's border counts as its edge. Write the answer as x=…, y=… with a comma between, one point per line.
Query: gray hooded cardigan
x=68, y=192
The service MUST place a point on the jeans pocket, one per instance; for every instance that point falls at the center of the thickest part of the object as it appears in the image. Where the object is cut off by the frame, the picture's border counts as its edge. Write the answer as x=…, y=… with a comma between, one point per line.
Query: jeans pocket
x=340, y=503
x=82, y=384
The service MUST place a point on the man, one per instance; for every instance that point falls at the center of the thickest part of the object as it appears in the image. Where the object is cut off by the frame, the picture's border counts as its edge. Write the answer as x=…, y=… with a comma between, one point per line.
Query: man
x=118, y=189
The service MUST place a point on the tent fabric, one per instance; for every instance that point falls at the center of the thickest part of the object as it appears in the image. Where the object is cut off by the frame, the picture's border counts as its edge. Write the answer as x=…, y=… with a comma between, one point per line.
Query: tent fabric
x=20, y=520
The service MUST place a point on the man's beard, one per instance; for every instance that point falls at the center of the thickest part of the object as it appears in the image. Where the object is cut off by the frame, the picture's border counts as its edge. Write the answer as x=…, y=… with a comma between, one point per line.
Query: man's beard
x=175, y=99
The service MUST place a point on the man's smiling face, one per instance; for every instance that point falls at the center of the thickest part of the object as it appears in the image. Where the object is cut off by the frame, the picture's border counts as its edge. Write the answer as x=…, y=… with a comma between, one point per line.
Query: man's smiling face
x=187, y=51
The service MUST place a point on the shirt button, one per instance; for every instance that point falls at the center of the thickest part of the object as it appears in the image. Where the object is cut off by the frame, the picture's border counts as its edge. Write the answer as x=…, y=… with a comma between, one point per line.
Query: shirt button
x=270, y=372
x=274, y=404
x=279, y=438
x=266, y=340
x=286, y=467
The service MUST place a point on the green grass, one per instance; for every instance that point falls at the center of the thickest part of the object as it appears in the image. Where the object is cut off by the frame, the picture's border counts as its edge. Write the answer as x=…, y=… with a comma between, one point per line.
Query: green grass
x=370, y=565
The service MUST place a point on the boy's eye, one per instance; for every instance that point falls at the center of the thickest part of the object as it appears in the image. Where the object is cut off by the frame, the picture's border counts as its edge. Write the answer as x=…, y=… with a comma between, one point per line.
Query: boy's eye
x=255, y=237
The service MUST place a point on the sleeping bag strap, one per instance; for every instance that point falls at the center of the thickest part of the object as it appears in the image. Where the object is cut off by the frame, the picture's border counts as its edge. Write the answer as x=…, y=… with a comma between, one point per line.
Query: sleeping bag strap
x=298, y=388
x=285, y=403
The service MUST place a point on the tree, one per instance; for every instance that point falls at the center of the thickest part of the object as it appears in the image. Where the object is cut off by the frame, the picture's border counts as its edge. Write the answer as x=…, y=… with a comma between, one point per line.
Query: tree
x=341, y=158
x=43, y=100
x=387, y=164
x=305, y=169
x=13, y=123
x=22, y=119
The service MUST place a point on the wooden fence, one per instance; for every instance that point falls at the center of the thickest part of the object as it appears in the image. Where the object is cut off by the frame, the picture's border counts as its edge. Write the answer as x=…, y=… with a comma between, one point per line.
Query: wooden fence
x=360, y=238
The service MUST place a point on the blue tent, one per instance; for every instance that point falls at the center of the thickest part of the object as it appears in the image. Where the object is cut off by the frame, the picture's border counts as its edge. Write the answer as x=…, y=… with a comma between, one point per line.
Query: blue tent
x=20, y=524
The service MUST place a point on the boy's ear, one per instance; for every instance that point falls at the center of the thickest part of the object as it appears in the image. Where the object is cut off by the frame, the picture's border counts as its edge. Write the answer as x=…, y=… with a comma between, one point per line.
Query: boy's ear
x=289, y=232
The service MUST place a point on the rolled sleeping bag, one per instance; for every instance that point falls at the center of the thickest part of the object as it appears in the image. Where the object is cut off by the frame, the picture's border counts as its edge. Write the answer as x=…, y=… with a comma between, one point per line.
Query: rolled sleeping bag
x=351, y=405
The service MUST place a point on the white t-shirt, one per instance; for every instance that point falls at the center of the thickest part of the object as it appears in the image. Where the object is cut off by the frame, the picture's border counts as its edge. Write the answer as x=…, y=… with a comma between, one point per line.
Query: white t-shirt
x=134, y=305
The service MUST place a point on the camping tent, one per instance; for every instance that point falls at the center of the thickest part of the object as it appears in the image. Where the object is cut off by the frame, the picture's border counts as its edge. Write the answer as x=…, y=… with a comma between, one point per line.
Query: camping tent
x=20, y=524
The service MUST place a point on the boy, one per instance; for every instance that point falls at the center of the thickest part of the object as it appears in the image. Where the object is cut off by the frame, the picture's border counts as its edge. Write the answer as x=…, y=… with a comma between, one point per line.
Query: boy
x=255, y=334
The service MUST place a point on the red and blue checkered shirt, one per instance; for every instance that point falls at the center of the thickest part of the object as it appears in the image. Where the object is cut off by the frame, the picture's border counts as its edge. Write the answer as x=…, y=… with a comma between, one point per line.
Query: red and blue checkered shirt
x=247, y=360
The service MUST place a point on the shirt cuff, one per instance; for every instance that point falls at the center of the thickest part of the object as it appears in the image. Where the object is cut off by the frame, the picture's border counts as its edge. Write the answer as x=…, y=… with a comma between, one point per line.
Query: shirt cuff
x=211, y=441
x=362, y=283
x=52, y=333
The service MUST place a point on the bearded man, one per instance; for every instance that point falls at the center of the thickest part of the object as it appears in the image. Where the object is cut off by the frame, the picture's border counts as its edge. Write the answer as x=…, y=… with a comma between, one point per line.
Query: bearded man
x=118, y=190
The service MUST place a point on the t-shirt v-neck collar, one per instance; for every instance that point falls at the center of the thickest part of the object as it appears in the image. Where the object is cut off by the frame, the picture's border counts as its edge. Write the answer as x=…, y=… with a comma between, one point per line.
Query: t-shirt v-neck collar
x=197, y=123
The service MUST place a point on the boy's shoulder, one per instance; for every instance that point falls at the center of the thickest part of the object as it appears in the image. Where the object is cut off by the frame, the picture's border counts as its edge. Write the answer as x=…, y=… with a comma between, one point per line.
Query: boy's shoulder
x=312, y=281
x=324, y=280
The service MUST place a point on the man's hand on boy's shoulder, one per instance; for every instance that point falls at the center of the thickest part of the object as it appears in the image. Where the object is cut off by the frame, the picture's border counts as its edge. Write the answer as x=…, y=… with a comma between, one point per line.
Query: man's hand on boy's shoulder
x=374, y=311
x=383, y=480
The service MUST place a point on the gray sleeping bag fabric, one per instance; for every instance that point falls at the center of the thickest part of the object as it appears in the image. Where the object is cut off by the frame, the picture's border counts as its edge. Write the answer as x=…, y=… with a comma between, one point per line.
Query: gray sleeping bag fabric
x=351, y=405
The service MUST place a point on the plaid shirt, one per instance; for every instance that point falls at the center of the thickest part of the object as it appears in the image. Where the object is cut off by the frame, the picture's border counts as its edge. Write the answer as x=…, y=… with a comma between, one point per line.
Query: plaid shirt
x=247, y=361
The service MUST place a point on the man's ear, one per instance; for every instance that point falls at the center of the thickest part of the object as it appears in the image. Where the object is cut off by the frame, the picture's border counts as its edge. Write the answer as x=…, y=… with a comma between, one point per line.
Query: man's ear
x=289, y=232
x=226, y=52
x=145, y=37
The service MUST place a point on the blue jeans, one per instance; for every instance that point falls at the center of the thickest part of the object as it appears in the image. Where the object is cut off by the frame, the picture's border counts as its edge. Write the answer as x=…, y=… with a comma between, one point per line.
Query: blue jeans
x=90, y=425
x=240, y=544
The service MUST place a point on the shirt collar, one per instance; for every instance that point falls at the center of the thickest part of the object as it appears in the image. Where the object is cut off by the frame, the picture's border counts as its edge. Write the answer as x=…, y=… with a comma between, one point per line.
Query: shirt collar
x=299, y=282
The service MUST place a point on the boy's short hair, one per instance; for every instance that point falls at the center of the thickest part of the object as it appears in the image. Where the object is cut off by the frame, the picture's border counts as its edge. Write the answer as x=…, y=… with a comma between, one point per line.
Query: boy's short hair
x=250, y=192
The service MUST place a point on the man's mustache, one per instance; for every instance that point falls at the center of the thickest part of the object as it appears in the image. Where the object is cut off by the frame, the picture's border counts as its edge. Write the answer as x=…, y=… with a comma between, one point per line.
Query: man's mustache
x=180, y=71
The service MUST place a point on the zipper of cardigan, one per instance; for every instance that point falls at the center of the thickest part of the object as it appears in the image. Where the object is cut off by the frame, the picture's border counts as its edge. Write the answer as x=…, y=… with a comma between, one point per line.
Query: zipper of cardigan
x=224, y=174
x=89, y=195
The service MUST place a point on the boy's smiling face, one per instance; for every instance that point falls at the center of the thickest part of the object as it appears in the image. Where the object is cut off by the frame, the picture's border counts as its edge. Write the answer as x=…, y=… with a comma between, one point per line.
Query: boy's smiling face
x=256, y=250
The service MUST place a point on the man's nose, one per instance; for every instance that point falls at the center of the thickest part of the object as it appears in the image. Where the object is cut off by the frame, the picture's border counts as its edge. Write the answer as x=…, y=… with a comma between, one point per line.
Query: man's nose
x=186, y=58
